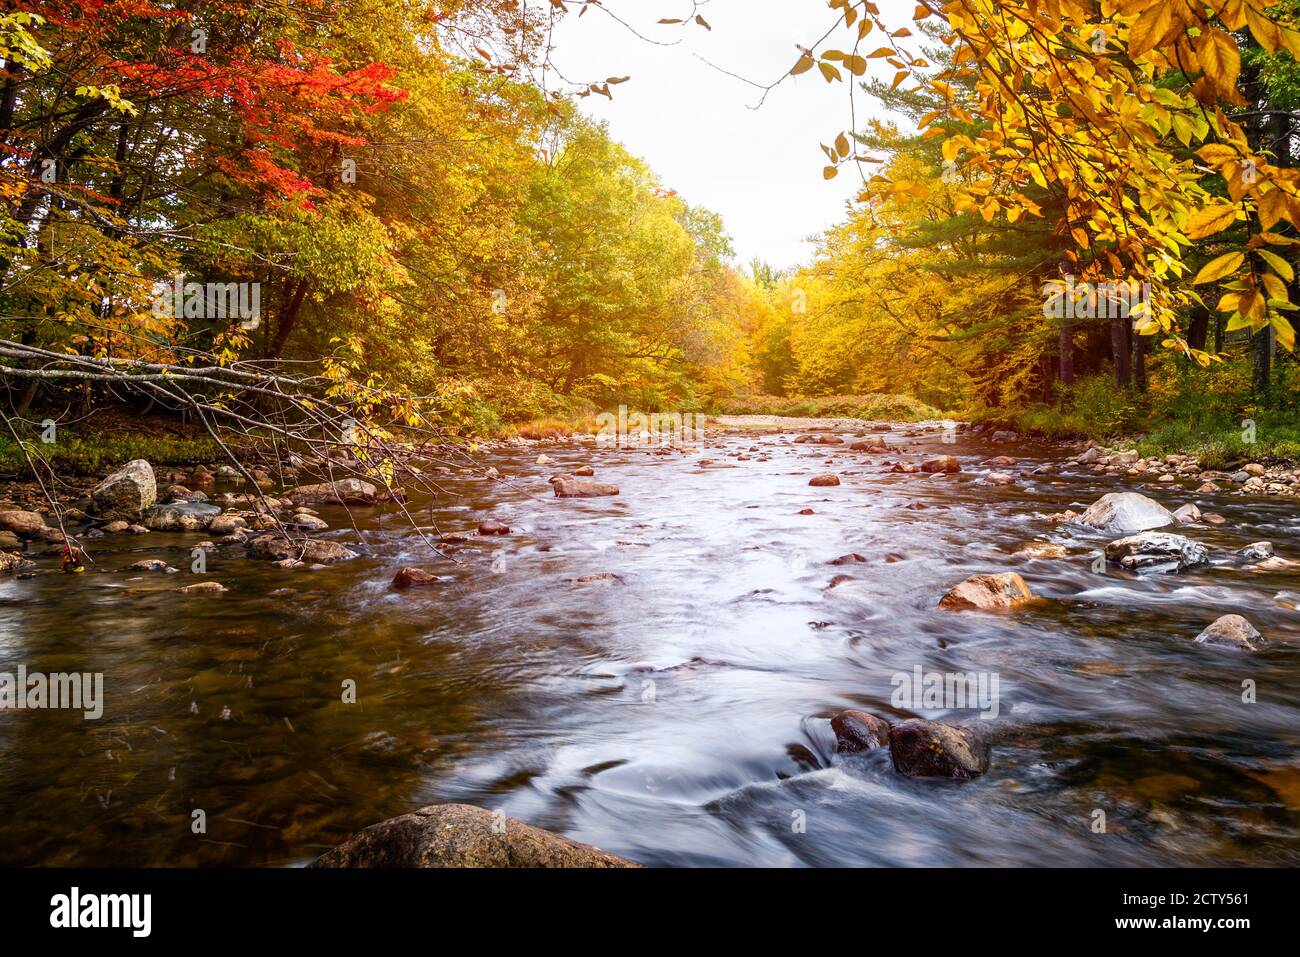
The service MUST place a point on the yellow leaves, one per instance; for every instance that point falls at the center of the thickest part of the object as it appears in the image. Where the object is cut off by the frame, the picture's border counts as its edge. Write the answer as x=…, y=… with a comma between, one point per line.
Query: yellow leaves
x=1284, y=330
x=1272, y=207
x=1221, y=61
x=829, y=172
x=804, y=64
x=1263, y=29
x=842, y=146
x=1276, y=263
x=1216, y=269
x=1216, y=154
x=1210, y=220
x=1151, y=28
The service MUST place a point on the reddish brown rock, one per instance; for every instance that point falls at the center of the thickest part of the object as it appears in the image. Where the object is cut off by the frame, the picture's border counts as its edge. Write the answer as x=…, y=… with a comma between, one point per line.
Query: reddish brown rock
x=987, y=593
x=943, y=463
x=414, y=578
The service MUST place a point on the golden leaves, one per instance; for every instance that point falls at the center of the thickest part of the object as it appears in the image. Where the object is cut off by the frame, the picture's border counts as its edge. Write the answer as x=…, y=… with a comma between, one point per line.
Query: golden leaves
x=1210, y=220
x=1216, y=269
x=1276, y=263
x=1151, y=28
x=1221, y=61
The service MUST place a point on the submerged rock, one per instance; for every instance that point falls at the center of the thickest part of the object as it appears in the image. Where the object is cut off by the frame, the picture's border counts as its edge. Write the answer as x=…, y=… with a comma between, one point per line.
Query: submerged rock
x=457, y=835
x=927, y=749
x=1126, y=512
x=127, y=492
x=202, y=588
x=987, y=593
x=858, y=731
x=1232, y=631
x=1157, y=552
x=1041, y=550
x=493, y=528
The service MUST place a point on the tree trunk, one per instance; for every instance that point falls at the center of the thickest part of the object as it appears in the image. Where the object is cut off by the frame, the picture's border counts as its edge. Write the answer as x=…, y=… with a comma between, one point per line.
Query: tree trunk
x=1199, y=328
x=1067, y=353
x=287, y=319
x=1262, y=364
x=1139, y=360
x=1119, y=351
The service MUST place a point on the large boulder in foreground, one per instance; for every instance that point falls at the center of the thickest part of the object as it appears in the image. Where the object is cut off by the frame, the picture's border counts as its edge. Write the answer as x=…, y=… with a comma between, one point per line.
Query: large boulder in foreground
x=1232, y=631
x=307, y=550
x=127, y=492
x=1126, y=512
x=1157, y=552
x=927, y=749
x=349, y=491
x=572, y=488
x=177, y=517
x=457, y=835
x=988, y=593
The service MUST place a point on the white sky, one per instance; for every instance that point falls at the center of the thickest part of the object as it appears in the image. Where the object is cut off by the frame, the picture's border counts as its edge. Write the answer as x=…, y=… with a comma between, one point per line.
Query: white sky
x=761, y=169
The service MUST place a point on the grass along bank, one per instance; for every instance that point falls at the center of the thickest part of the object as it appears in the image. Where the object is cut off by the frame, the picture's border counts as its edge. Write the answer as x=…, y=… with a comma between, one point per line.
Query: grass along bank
x=1209, y=414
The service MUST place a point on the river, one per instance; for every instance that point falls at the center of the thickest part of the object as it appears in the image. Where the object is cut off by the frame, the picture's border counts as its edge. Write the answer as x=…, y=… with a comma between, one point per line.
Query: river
x=679, y=716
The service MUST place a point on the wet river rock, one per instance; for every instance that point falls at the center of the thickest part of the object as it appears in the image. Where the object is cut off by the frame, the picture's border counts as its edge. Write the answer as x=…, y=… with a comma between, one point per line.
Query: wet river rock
x=943, y=463
x=572, y=488
x=1125, y=512
x=987, y=593
x=348, y=491
x=858, y=731
x=927, y=749
x=1157, y=552
x=457, y=835
x=414, y=578
x=1232, y=631
x=188, y=517
x=309, y=550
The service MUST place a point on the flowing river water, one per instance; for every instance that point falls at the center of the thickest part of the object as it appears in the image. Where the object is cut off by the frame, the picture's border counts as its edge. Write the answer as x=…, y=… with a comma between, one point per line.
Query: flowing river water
x=678, y=716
